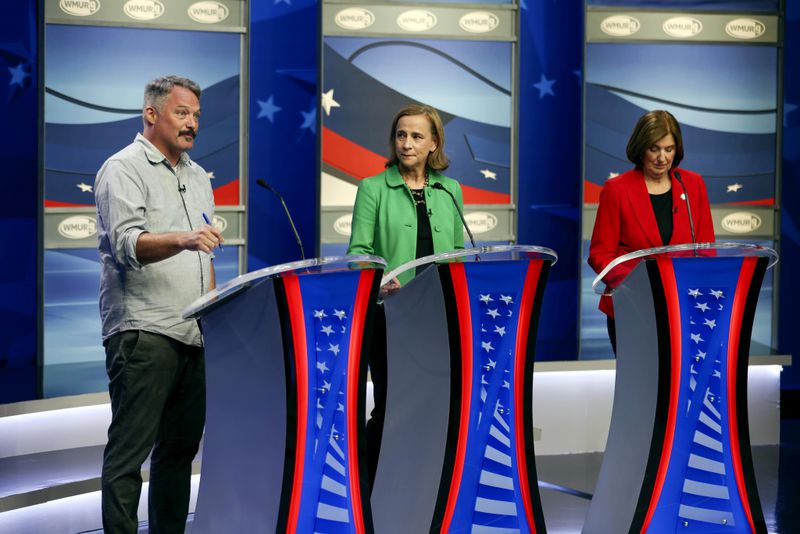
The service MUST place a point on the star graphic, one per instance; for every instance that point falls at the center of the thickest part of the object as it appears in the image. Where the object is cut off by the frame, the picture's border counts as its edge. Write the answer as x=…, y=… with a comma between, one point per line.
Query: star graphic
x=718, y=294
x=328, y=102
x=711, y=323
x=326, y=386
x=506, y=384
x=696, y=338
x=489, y=175
x=323, y=367
x=268, y=109
x=500, y=330
x=210, y=175
x=702, y=306
x=510, y=313
x=491, y=363
x=341, y=314
x=309, y=120
x=694, y=293
x=327, y=329
x=612, y=175
x=85, y=188
x=701, y=354
x=734, y=188
x=340, y=408
x=319, y=314
x=18, y=75
x=545, y=86
x=487, y=346
x=333, y=348
x=507, y=299
x=344, y=329
x=486, y=298
x=494, y=313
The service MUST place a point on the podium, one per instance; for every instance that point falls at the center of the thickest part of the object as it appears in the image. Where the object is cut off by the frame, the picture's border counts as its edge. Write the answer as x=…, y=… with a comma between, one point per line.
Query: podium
x=457, y=448
x=678, y=454
x=285, y=382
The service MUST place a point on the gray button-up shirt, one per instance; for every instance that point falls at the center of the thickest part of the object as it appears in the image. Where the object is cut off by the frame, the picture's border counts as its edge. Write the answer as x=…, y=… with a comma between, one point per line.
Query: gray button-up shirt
x=137, y=190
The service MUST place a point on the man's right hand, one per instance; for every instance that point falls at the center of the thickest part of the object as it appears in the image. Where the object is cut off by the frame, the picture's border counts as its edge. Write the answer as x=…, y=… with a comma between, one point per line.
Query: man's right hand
x=205, y=239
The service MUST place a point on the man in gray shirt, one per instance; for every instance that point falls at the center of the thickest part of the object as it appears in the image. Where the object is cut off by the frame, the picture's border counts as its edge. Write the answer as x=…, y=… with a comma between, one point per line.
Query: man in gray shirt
x=153, y=208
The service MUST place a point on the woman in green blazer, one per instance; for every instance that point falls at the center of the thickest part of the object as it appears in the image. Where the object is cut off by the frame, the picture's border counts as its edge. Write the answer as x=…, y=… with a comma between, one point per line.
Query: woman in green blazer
x=400, y=216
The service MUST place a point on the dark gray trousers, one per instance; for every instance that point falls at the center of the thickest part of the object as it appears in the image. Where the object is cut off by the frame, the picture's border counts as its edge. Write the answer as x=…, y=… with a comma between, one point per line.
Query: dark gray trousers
x=158, y=403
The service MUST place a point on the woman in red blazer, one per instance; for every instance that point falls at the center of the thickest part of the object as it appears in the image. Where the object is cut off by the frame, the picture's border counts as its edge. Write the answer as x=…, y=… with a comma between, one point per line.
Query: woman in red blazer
x=646, y=206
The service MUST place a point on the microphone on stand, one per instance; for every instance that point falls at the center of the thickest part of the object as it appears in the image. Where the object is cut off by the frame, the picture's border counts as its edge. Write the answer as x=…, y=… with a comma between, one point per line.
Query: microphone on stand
x=677, y=176
x=265, y=185
x=438, y=185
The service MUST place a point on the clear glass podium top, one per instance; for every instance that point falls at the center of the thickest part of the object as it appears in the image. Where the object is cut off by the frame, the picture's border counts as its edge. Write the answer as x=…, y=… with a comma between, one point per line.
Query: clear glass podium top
x=619, y=268
x=328, y=264
x=490, y=253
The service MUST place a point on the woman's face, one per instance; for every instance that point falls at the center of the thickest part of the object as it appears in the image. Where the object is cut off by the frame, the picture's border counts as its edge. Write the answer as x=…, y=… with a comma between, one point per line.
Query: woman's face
x=658, y=158
x=414, y=141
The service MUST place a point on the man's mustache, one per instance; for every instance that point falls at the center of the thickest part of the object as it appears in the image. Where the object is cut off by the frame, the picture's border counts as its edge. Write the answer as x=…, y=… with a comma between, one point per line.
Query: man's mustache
x=187, y=132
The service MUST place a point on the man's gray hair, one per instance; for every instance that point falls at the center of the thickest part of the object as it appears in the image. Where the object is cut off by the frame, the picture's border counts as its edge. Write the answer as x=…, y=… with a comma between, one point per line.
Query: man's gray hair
x=156, y=91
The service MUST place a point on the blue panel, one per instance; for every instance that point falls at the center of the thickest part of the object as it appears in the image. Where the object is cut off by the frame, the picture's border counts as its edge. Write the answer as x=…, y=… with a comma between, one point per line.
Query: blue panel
x=284, y=39
x=326, y=502
x=550, y=47
x=18, y=150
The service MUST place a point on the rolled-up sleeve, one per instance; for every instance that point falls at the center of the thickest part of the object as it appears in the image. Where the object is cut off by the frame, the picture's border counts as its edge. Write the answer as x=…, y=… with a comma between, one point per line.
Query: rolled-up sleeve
x=120, y=197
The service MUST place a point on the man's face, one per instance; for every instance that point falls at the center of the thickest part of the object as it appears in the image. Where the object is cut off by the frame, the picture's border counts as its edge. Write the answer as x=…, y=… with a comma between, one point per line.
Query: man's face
x=175, y=124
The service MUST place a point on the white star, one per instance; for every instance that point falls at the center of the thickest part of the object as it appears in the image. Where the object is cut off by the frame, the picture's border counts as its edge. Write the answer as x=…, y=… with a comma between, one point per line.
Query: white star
x=694, y=293
x=486, y=298
x=326, y=386
x=711, y=323
x=333, y=348
x=210, y=175
x=701, y=354
x=719, y=307
x=493, y=313
x=340, y=408
x=510, y=313
x=734, y=188
x=717, y=294
x=506, y=384
x=483, y=379
x=319, y=405
x=717, y=374
x=319, y=314
x=344, y=329
x=341, y=314
x=489, y=175
x=328, y=102
x=612, y=175
x=491, y=363
x=507, y=299
x=85, y=188
x=702, y=306
x=327, y=329
x=500, y=330
x=487, y=346
x=323, y=367
x=696, y=338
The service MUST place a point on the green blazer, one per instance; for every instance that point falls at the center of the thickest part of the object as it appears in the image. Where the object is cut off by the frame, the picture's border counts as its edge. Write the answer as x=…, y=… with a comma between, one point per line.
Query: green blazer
x=385, y=219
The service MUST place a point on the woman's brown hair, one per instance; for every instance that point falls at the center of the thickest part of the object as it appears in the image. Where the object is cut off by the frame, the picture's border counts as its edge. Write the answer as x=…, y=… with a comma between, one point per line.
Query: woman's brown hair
x=436, y=160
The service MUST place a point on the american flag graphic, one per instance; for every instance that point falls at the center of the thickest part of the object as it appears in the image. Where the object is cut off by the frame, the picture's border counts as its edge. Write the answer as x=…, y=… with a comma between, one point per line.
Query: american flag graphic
x=329, y=459
x=705, y=498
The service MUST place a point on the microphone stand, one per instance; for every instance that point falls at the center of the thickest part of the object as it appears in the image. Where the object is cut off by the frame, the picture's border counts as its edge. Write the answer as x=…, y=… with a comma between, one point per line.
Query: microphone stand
x=265, y=185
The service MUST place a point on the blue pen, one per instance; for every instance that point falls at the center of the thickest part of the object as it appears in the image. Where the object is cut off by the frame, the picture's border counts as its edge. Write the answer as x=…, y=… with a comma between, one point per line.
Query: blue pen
x=208, y=222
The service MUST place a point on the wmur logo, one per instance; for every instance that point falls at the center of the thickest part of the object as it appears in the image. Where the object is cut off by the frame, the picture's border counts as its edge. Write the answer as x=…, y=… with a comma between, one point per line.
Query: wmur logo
x=79, y=8
x=220, y=223
x=416, y=20
x=208, y=12
x=682, y=27
x=481, y=222
x=354, y=18
x=620, y=25
x=745, y=28
x=78, y=227
x=741, y=222
x=343, y=224
x=143, y=9
x=479, y=22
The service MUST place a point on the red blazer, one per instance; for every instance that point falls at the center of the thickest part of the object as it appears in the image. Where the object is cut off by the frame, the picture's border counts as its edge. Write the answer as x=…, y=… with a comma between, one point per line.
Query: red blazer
x=626, y=221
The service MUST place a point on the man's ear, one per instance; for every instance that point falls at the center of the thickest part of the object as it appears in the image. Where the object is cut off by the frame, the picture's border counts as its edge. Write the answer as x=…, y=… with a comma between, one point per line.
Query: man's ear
x=150, y=115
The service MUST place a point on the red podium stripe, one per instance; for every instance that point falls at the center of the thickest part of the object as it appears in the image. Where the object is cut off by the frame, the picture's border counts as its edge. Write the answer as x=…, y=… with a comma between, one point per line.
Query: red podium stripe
x=353, y=365
x=667, y=272
x=294, y=300
x=461, y=293
x=520, y=357
x=737, y=311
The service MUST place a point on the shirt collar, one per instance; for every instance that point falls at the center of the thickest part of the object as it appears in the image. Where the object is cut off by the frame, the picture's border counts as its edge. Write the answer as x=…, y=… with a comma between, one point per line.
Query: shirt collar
x=154, y=155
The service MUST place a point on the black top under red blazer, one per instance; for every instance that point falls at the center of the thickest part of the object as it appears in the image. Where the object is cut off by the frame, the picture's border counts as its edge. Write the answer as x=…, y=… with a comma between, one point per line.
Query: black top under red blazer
x=626, y=221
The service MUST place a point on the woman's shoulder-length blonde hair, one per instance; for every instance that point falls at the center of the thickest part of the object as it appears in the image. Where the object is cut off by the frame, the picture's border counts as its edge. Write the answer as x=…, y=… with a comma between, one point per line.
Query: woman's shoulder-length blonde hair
x=437, y=161
x=651, y=127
